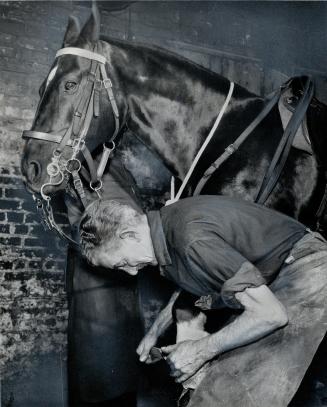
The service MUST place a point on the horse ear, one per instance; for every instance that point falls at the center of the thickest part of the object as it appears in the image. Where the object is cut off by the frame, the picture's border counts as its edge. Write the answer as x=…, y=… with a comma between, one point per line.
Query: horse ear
x=91, y=30
x=72, y=31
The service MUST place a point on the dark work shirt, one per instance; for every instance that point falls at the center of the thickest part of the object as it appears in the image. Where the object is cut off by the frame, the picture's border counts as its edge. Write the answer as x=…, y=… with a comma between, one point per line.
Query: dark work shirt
x=219, y=245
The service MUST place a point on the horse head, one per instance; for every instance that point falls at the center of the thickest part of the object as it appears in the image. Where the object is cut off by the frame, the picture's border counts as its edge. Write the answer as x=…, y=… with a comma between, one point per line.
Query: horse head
x=77, y=100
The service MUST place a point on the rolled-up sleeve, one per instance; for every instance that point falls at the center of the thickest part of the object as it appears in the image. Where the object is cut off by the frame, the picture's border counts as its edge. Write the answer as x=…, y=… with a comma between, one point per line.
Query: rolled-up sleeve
x=214, y=263
x=247, y=276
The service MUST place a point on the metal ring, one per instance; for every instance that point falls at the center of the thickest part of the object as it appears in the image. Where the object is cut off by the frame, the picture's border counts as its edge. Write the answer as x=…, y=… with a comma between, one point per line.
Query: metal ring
x=105, y=145
x=56, y=153
x=53, y=169
x=48, y=184
x=71, y=162
x=98, y=187
x=45, y=196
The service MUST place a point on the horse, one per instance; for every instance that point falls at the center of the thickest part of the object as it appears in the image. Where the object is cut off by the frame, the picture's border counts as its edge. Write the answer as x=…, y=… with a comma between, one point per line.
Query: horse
x=170, y=104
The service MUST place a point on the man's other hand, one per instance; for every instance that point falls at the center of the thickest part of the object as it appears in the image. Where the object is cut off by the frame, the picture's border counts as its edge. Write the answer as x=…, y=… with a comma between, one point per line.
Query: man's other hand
x=145, y=346
x=186, y=358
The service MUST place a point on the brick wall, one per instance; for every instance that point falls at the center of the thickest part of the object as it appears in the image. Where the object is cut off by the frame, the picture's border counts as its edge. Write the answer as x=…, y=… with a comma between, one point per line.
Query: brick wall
x=32, y=293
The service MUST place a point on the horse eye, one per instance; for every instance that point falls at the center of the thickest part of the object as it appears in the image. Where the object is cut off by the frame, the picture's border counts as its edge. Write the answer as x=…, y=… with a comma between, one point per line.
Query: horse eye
x=70, y=85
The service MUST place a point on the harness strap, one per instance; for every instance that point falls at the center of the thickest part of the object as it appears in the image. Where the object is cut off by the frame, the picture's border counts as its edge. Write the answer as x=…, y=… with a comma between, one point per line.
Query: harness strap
x=108, y=86
x=234, y=147
x=204, y=145
x=67, y=138
x=78, y=185
x=278, y=162
x=86, y=103
x=85, y=174
x=104, y=159
x=80, y=52
x=90, y=163
x=39, y=135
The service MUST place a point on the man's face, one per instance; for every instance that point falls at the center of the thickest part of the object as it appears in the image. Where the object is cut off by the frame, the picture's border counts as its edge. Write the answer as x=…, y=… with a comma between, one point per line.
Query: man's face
x=130, y=254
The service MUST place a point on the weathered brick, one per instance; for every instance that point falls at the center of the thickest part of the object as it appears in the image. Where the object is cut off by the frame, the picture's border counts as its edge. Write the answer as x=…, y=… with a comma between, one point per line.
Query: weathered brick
x=6, y=265
x=21, y=230
x=15, y=217
x=4, y=228
x=28, y=205
x=19, y=264
x=4, y=171
x=35, y=242
x=2, y=216
x=9, y=180
x=34, y=264
x=32, y=253
x=12, y=241
x=50, y=264
x=33, y=218
x=37, y=230
x=20, y=193
x=10, y=204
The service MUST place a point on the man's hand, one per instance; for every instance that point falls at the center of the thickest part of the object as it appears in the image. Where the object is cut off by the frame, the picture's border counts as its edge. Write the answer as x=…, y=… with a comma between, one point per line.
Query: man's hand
x=186, y=358
x=145, y=346
x=162, y=322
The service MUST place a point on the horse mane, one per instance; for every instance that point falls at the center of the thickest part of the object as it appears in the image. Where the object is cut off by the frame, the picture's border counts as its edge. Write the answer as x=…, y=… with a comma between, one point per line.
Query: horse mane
x=193, y=68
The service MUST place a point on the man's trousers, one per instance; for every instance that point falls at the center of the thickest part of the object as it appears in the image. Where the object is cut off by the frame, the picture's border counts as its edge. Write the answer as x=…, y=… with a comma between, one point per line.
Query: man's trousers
x=267, y=373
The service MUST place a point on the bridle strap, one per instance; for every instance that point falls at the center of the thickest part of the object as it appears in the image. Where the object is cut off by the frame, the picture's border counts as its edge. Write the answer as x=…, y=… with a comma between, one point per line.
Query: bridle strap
x=90, y=163
x=39, y=135
x=108, y=86
x=83, y=53
x=229, y=150
x=98, y=64
x=281, y=154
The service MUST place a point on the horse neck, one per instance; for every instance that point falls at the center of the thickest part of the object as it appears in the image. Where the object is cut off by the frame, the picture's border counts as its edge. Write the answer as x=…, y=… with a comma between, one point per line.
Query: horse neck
x=172, y=103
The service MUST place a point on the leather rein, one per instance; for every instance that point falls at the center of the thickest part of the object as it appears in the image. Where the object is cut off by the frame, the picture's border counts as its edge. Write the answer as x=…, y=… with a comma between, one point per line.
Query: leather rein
x=88, y=107
x=279, y=159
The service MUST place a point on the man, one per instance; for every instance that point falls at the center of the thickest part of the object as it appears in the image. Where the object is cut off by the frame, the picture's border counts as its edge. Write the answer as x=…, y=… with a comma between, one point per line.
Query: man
x=238, y=255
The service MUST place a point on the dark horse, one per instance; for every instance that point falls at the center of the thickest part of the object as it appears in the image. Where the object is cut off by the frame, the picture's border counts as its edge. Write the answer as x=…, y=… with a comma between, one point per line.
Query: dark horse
x=170, y=104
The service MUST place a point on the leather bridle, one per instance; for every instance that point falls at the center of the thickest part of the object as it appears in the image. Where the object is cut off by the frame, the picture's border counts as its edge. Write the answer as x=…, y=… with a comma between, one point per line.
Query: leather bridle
x=87, y=107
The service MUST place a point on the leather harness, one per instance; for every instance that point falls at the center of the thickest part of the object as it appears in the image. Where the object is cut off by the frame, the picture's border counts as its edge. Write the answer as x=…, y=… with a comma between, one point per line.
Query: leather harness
x=279, y=159
x=277, y=164
x=88, y=107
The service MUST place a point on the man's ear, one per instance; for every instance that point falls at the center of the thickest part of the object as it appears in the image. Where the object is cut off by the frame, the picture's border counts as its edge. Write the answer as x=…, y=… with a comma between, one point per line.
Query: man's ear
x=91, y=30
x=72, y=31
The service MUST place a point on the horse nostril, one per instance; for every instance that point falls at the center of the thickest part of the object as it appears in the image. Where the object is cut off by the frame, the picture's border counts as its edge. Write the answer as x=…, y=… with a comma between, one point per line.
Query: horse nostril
x=33, y=171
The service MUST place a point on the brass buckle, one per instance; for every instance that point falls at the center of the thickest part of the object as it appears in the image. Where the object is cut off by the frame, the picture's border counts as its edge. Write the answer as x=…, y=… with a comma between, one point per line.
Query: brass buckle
x=107, y=83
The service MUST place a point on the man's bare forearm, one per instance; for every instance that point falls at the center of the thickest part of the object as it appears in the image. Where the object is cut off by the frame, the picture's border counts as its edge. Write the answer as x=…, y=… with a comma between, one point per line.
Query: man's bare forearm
x=260, y=318
x=243, y=330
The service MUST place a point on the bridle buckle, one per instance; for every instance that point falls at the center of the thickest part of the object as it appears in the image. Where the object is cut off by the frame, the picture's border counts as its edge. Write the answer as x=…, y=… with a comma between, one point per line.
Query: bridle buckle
x=107, y=83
